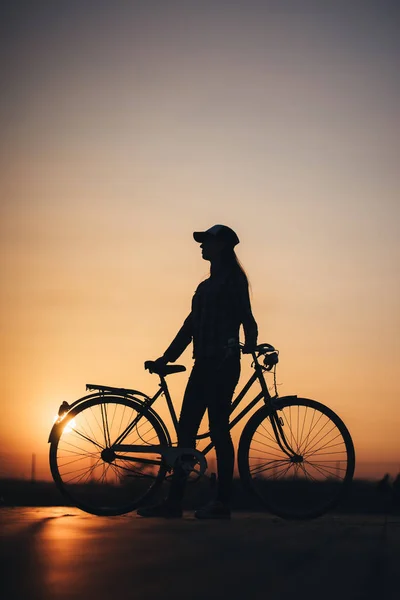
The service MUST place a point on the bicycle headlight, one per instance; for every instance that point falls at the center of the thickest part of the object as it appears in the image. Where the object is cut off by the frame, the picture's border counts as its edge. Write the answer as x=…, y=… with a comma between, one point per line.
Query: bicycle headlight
x=271, y=360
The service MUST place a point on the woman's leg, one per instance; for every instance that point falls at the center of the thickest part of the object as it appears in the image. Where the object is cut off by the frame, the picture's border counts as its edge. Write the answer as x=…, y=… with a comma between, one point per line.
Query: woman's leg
x=193, y=409
x=221, y=386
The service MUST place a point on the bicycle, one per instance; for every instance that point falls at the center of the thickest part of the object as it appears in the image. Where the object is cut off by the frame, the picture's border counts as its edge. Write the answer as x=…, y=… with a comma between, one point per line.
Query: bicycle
x=110, y=451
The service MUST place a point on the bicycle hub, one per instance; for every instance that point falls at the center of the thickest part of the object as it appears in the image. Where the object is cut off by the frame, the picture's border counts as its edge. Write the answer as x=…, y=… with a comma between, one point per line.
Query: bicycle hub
x=296, y=459
x=108, y=455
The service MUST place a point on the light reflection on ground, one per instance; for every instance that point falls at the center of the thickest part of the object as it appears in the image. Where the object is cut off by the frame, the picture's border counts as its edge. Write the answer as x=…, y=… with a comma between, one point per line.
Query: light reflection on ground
x=64, y=554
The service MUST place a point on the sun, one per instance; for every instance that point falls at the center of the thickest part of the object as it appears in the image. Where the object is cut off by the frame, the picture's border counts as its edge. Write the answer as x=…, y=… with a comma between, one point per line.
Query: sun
x=69, y=427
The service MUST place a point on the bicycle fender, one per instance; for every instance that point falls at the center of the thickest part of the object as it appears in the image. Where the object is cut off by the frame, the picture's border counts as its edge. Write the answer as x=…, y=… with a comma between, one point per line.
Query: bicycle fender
x=281, y=400
x=54, y=429
x=53, y=432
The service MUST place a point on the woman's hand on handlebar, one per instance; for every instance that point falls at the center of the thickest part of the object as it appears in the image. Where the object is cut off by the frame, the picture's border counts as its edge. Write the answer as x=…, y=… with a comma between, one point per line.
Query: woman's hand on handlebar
x=249, y=348
x=160, y=362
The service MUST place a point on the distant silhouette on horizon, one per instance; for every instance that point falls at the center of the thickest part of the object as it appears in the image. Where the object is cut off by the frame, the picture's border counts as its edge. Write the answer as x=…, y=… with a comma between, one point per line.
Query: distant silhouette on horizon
x=396, y=490
x=220, y=305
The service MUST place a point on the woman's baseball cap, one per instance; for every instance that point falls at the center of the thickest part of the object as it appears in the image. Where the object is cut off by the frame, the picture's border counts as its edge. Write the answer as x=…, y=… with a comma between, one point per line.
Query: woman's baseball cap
x=219, y=232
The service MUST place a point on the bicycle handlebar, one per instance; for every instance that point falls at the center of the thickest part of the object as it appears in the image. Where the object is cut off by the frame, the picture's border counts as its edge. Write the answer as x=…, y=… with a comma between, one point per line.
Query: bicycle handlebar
x=264, y=348
x=270, y=353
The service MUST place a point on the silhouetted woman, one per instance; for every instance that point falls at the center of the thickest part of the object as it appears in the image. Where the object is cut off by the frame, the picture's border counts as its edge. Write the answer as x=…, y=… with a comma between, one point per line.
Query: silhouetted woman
x=220, y=305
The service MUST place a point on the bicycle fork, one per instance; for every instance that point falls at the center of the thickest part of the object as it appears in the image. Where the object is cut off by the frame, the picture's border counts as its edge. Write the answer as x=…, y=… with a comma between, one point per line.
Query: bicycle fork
x=276, y=421
x=277, y=426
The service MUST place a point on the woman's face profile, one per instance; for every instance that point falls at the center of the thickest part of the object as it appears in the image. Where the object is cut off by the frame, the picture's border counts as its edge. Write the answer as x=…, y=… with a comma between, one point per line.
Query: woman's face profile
x=211, y=248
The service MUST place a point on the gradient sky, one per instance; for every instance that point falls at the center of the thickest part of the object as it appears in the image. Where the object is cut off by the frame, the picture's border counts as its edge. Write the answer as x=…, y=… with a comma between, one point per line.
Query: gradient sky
x=125, y=126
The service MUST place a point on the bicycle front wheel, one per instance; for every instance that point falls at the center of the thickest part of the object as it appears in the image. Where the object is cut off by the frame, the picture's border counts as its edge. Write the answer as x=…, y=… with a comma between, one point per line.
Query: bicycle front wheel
x=310, y=478
x=87, y=470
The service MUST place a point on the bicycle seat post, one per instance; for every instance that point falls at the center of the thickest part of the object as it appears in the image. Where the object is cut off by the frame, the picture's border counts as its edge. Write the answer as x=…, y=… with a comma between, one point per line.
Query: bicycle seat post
x=165, y=390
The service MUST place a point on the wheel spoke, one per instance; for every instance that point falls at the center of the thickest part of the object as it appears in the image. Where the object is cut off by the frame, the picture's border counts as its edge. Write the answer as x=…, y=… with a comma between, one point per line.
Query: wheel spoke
x=313, y=425
x=296, y=449
x=325, y=471
x=267, y=433
x=86, y=438
x=302, y=428
x=284, y=471
x=64, y=464
x=263, y=468
x=104, y=416
x=326, y=445
x=276, y=449
x=316, y=441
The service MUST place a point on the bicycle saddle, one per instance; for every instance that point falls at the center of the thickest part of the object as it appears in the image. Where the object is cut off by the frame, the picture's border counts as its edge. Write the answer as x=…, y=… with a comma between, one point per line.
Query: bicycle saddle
x=150, y=365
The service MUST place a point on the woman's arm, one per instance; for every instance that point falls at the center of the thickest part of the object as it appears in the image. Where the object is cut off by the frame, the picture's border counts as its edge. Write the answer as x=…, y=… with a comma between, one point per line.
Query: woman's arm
x=182, y=338
x=181, y=341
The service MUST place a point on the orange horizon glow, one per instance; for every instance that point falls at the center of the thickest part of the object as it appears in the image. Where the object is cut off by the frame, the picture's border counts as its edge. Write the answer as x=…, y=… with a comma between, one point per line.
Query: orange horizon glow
x=125, y=131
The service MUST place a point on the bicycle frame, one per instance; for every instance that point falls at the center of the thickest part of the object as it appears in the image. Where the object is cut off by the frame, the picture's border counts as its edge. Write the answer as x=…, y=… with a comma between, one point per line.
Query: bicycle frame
x=171, y=452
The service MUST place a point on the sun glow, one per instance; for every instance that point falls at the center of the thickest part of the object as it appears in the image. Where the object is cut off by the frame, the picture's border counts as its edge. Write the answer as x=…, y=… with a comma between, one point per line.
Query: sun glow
x=69, y=426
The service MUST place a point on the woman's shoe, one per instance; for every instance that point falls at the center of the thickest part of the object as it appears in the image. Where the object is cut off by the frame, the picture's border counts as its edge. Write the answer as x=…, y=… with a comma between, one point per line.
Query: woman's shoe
x=163, y=509
x=213, y=510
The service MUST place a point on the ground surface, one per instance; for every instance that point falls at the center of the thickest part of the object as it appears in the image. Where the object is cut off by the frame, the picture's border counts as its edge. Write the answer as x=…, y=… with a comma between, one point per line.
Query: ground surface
x=62, y=553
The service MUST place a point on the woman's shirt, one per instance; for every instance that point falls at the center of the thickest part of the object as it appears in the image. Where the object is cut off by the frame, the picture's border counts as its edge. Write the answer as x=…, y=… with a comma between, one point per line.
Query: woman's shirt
x=219, y=306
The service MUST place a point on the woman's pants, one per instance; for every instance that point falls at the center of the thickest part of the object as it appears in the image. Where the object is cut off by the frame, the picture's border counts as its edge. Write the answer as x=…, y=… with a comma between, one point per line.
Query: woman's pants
x=210, y=387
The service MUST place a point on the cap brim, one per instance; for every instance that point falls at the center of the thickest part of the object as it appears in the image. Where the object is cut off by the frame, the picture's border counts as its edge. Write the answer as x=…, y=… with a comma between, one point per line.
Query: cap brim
x=199, y=236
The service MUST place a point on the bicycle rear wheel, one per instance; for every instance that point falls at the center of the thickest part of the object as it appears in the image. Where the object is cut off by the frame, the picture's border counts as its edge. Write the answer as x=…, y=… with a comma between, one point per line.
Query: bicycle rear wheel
x=308, y=481
x=87, y=470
